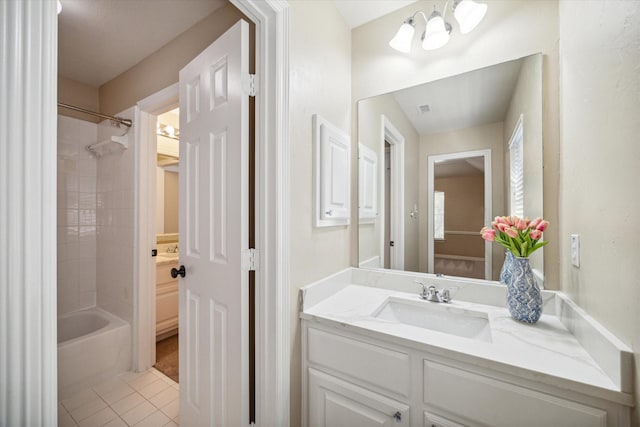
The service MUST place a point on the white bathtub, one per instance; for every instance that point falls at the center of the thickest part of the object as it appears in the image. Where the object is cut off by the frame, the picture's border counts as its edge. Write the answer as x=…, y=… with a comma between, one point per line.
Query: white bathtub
x=93, y=346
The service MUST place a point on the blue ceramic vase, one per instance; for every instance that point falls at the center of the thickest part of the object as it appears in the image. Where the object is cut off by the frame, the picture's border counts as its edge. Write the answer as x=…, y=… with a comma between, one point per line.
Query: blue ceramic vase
x=505, y=273
x=523, y=294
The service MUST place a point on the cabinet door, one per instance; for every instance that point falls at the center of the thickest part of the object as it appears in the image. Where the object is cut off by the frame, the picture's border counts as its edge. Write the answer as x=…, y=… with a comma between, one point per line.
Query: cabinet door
x=332, y=174
x=431, y=420
x=367, y=184
x=337, y=403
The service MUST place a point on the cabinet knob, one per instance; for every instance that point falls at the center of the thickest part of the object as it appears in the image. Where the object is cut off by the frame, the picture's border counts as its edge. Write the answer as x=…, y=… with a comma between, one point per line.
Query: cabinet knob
x=397, y=416
x=175, y=272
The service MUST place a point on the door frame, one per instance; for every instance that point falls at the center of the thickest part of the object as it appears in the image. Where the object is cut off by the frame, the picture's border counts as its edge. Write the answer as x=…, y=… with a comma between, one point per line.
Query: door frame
x=144, y=289
x=271, y=19
x=488, y=203
x=394, y=137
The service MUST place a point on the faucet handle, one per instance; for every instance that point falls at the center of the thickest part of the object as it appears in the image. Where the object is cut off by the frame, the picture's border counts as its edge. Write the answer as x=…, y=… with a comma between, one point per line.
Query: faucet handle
x=425, y=291
x=447, y=293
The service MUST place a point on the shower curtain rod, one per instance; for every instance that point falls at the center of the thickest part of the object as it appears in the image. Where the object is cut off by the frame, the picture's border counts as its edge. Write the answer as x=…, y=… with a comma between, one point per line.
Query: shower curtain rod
x=120, y=120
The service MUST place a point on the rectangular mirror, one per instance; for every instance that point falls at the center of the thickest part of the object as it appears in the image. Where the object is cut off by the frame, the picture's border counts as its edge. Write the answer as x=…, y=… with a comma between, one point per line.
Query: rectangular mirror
x=451, y=154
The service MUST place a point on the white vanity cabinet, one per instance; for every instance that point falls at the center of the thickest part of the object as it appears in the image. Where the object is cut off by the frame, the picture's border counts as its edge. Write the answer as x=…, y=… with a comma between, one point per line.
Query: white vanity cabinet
x=355, y=383
x=353, y=379
x=166, y=298
x=337, y=403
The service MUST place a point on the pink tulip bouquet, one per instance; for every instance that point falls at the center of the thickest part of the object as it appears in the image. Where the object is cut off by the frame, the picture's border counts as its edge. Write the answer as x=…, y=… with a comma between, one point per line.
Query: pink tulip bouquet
x=520, y=236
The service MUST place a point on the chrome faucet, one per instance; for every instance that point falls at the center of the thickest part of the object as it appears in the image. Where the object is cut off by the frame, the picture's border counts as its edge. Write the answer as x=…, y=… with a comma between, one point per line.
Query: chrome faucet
x=430, y=293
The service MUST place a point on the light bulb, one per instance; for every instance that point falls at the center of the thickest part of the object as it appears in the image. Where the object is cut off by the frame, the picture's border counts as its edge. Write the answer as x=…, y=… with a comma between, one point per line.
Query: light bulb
x=59, y=7
x=469, y=14
x=402, y=40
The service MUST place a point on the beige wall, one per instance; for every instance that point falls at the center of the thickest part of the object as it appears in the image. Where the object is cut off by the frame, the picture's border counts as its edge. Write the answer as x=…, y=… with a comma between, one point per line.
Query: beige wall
x=80, y=95
x=319, y=84
x=463, y=211
x=160, y=69
x=527, y=100
x=370, y=134
x=170, y=202
x=531, y=26
x=475, y=138
x=600, y=84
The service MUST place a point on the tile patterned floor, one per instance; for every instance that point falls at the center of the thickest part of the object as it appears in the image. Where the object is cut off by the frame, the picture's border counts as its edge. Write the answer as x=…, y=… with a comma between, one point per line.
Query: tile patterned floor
x=146, y=399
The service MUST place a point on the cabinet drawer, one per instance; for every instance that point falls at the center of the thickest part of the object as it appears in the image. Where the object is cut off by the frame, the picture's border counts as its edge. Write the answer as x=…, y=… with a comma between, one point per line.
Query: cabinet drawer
x=337, y=403
x=431, y=420
x=382, y=367
x=163, y=273
x=488, y=402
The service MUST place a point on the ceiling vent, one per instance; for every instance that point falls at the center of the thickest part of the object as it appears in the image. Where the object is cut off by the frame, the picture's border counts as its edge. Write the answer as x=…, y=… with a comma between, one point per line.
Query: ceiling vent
x=424, y=108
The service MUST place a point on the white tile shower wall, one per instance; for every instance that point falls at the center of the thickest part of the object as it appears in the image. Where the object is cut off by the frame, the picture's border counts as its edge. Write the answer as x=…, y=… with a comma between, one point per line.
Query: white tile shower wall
x=115, y=223
x=76, y=215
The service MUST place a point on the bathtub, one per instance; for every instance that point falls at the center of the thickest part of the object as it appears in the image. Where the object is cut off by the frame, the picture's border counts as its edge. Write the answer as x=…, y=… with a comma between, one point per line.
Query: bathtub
x=93, y=346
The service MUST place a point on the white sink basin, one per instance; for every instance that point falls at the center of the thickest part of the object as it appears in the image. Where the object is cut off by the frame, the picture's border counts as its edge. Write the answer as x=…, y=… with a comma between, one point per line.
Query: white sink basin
x=438, y=317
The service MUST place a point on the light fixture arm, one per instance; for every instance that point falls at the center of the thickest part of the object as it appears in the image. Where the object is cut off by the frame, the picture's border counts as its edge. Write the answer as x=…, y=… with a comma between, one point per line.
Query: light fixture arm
x=421, y=13
x=444, y=11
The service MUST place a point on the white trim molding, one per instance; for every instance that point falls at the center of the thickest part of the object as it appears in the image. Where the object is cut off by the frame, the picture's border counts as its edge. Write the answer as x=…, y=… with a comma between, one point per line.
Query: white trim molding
x=392, y=135
x=273, y=340
x=28, y=113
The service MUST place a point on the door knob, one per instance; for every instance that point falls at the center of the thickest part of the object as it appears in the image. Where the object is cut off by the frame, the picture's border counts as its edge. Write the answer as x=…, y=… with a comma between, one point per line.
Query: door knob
x=175, y=272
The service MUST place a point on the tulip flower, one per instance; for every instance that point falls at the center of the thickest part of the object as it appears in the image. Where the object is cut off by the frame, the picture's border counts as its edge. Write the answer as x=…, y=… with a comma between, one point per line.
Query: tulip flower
x=533, y=224
x=489, y=235
x=542, y=226
x=535, y=234
x=520, y=224
x=521, y=236
x=511, y=232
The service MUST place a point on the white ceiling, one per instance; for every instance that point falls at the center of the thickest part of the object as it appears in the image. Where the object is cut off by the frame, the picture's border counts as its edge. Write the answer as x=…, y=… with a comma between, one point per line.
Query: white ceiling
x=358, y=12
x=100, y=39
x=471, y=99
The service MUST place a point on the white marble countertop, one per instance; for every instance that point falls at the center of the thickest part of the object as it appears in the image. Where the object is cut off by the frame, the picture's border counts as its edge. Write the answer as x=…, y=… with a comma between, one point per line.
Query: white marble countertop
x=545, y=351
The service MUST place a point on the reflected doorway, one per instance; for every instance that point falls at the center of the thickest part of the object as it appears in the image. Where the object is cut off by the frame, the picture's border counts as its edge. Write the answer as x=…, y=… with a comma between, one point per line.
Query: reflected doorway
x=458, y=206
x=167, y=242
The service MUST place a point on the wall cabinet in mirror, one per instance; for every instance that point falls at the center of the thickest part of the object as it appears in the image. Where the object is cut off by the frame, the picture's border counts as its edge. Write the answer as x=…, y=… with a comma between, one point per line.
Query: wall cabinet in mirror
x=367, y=184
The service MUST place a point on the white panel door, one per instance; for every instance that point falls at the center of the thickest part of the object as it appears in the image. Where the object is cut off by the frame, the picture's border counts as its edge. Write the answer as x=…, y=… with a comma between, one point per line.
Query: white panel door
x=214, y=388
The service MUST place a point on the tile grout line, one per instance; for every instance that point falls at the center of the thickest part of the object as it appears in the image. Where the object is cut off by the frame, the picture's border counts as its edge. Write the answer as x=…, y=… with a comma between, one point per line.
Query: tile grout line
x=160, y=377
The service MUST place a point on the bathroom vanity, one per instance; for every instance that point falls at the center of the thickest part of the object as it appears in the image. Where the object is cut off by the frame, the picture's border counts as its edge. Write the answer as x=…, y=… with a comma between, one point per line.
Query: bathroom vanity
x=375, y=354
x=166, y=295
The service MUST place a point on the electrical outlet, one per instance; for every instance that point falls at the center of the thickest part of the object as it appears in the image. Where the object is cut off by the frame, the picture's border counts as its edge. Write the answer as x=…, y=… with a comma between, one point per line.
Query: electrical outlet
x=575, y=250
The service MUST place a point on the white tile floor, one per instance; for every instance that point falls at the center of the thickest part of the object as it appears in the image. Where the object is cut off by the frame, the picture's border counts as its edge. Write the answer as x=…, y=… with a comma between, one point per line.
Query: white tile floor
x=146, y=399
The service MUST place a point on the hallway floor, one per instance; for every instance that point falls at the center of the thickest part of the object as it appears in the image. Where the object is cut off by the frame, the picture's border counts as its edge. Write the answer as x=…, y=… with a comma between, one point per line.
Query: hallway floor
x=145, y=399
x=167, y=357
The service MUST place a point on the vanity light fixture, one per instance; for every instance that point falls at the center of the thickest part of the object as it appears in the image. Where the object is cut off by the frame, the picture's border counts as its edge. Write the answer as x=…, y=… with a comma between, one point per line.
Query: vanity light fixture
x=468, y=13
x=168, y=131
